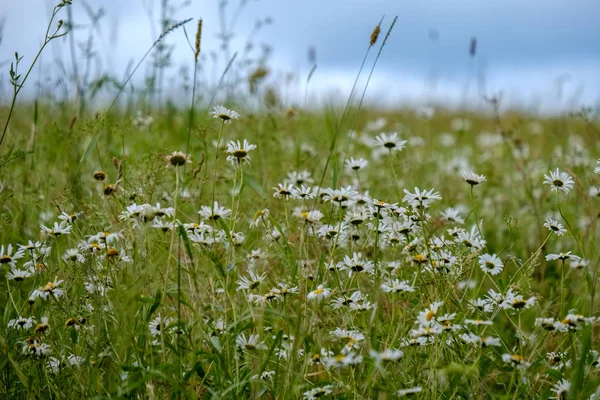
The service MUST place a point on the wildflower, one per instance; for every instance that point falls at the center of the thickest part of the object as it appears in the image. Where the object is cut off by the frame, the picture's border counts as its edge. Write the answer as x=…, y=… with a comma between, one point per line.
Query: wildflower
x=341, y=360
x=515, y=360
x=559, y=181
x=419, y=198
x=320, y=293
x=561, y=389
x=251, y=283
x=42, y=326
x=19, y=275
x=481, y=305
x=517, y=302
x=546, y=323
x=357, y=164
x=7, y=256
x=35, y=348
x=386, y=355
x=340, y=195
x=99, y=175
x=562, y=257
x=214, y=213
x=346, y=300
x=238, y=153
x=356, y=264
x=472, y=178
x=597, y=169
x=69, y=218
x=158, y=325
x=452, y=215
x=72, y=255
x=555, y=227
x=251, y=343
x=21, y=323
x=311, y=217
x=50, y=289
x=490, y=264
x=318, y=393
x=391, y=141
x=299, y=178
x=478, y=322
x=579, y=264
x=177, y=159
x=304, y=192
x=396, y=286
x=427, y=317
x=471, y=239
x=283, y=191
x=106, y=237
x=409, y=392
x=225, y=114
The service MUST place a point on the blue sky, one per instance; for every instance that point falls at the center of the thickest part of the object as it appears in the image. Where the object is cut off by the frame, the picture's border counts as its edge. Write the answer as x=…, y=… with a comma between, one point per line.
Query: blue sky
x=527, y=47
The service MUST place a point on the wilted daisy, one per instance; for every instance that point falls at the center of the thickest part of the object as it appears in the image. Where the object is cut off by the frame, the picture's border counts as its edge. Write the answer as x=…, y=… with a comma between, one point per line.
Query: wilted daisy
x=559, y=181
x=250, y=343
x=472, y=178
x=225, y=114
x=490, y=264
x=239, y=152
x=555, y=226
x=177, y=159
x=391, y=141
x=320, y=293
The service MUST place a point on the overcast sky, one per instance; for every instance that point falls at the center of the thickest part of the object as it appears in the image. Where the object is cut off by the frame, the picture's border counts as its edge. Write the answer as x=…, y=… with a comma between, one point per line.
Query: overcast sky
x=525, y=47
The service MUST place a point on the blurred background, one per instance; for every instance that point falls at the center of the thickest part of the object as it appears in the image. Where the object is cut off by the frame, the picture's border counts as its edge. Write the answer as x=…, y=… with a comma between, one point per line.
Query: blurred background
x=540, y=56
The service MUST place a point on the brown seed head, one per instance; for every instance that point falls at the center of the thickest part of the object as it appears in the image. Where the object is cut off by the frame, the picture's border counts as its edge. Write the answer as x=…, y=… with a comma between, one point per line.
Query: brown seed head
x=375, y=34
x=198, y=40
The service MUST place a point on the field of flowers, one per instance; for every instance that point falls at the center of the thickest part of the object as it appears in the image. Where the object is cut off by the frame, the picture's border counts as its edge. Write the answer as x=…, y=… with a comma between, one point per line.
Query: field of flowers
x=283, y=255
x=251, y=250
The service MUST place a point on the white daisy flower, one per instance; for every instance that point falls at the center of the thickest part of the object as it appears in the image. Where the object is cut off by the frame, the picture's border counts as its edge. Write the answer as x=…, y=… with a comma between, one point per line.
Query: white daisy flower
x=555, y=226
x=214, y=213
x=559, y=181
x=356, y=164
x=158, y=325
x=7, y=256
x=490, y=264
x=239, y=152
x=391, y=141
x=250, y=343
x=472, y=178
x=320, y=293
x=226, y=115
